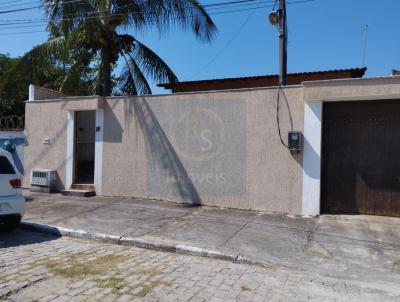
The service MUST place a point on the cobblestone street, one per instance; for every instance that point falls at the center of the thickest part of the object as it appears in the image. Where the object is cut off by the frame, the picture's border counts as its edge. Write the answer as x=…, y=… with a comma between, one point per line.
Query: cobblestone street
x=37, y=267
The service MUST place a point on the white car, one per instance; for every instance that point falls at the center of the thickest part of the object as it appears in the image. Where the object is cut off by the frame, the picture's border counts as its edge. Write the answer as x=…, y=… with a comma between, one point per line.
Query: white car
x=12, y=203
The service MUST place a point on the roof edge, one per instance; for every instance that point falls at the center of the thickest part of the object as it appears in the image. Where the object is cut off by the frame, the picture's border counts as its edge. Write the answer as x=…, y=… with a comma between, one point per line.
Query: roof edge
x=360, y=70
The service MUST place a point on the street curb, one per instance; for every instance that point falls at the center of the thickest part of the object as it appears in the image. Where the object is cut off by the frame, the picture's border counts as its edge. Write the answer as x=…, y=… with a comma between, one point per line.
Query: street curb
x=142, y=243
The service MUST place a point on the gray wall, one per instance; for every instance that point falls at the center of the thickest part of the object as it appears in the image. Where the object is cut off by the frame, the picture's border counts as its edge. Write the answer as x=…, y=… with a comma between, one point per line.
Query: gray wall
x=217, y=148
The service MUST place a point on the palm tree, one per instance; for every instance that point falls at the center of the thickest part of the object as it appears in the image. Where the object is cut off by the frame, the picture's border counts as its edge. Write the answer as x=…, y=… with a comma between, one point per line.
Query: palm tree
x=92, y=34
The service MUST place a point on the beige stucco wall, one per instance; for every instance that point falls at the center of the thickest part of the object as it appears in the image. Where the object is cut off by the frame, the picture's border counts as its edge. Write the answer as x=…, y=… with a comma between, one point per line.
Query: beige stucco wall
x=215, y=148
x=353, y=89
x=145, y=155
x=45, y=119
x=40, y=93
x=82, y=103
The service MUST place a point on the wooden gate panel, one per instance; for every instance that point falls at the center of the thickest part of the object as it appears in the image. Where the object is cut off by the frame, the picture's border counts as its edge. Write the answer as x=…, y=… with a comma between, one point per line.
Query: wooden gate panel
x=361, y=158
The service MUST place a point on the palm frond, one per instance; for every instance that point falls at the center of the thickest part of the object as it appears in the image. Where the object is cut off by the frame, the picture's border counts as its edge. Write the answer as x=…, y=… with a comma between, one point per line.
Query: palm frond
x=147, y=61
x=54, y=46
x=75, y=76
x=126, y=83
x=132, y=80
x=68, y=14
x=129, y=14
x=95, y=25
x=186, y=14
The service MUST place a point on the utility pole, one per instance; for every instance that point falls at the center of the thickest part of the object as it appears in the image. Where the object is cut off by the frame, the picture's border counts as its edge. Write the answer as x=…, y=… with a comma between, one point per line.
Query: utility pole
x=278, y=19
x=282, y=43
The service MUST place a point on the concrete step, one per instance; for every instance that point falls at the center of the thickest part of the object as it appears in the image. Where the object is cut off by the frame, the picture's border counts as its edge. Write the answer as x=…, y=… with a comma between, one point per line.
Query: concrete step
x=83, y=187
x=78, y=193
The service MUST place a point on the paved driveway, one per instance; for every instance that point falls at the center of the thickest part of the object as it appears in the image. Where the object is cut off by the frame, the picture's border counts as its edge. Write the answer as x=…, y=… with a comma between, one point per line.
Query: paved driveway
x=37, y=267
x=363, y=250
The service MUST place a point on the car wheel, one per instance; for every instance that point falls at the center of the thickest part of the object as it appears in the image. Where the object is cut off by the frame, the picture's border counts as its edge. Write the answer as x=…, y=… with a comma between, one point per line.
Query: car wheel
x=9, y=224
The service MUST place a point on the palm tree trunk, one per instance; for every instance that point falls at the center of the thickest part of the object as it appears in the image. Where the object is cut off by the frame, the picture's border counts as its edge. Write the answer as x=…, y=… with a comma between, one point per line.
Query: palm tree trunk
x=105, y=72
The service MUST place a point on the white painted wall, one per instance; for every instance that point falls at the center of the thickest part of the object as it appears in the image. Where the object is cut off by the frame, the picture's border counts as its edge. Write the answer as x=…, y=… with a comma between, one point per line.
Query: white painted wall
x=70, y=150
x=98, y=157
x=312, y=158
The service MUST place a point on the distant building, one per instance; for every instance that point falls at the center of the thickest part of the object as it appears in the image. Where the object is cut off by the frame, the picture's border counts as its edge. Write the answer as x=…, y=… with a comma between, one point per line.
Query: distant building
x=262, y=81
x=395, y=72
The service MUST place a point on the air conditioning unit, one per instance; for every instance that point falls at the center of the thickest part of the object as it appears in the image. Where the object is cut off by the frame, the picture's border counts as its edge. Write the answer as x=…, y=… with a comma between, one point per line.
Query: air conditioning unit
x=43, y=180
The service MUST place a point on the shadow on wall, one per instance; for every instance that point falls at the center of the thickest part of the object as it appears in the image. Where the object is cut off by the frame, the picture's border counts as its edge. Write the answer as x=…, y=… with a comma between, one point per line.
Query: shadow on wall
x=311, y=158
x=287, y=107
x=113, y=131
x=312, y=171
x=162, y=152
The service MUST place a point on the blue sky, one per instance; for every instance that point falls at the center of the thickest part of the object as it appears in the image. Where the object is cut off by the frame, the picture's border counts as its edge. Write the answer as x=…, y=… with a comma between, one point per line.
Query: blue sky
x=323, y=34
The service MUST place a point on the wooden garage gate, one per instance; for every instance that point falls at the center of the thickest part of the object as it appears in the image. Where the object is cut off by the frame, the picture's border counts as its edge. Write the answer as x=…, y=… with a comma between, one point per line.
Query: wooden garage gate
x=361, y=158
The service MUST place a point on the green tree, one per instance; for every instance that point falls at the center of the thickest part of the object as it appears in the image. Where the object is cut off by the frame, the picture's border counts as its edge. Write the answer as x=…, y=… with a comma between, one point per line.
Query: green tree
x=37, y=70
x=92, y=36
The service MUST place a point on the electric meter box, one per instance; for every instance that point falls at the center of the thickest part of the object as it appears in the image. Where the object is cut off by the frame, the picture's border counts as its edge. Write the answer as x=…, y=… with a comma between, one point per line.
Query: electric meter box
x=295, y=139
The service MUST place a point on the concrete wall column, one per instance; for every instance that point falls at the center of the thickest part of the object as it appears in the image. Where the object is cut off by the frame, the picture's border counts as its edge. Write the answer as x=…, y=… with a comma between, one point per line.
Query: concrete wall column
x=98, y=157
x=312, y=158
x=69, y=178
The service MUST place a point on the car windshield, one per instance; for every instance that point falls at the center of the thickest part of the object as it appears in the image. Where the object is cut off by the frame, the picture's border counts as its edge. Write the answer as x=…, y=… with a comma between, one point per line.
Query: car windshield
x=5, y=166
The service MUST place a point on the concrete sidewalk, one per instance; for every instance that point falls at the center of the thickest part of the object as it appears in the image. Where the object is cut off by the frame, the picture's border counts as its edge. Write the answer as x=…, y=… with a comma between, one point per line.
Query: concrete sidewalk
x=363, y=249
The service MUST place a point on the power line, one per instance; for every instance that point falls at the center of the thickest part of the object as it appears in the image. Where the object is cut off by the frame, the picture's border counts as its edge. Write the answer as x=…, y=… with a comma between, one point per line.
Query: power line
x=33, y=7
x=22, y=23
x=12, y=1
x=27, y=21
x=150, y=21
x=23, y=32
x=21, y=26
x=225, y=46
x=365, y=43
x=234, y=37
x=19, y=4
x=19, y=10
x=229, y=2
x=17, y=22
x=129, y=5
x=205, y=5
x=70, y=17
x=72, y=1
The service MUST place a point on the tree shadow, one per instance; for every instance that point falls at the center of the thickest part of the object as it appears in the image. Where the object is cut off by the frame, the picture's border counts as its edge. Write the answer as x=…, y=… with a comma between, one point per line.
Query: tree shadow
x=287, y=107
x=162, y=152
x=112, y=128
x=22, y=236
